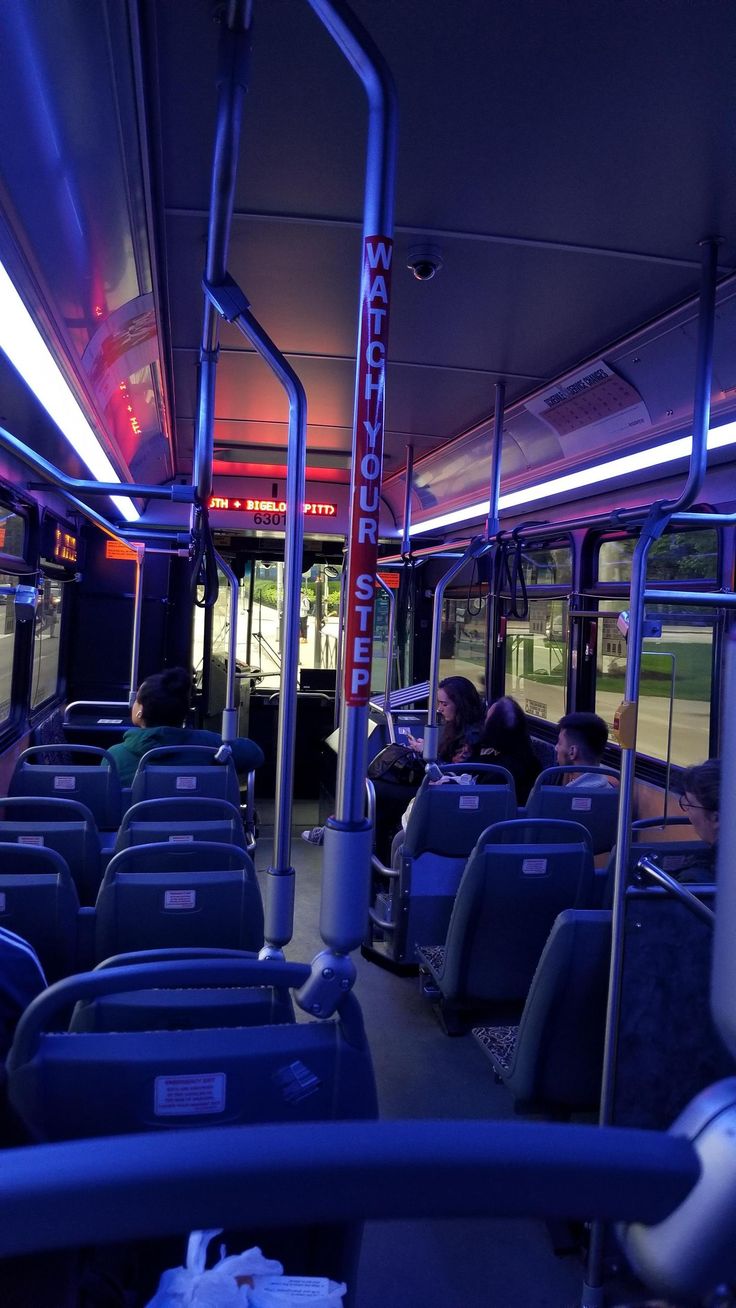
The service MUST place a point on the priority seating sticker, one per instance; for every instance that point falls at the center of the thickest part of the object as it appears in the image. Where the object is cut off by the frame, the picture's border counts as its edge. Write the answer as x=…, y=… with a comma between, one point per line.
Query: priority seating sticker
x=174, y=899
x=187, y=1096
x=534, y=867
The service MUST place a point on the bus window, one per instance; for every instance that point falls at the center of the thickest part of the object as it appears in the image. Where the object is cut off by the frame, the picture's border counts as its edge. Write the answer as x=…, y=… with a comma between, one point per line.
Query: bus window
x=536, y=659
x=7, y=645
x=380, y=643
x=548, y=567
x=681, y=657
x=677, y=556
x=46, y=643
x=463, y=639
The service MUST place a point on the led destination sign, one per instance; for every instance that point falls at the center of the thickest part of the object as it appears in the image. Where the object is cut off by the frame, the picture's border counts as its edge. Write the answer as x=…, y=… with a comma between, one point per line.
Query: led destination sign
x=248, y=505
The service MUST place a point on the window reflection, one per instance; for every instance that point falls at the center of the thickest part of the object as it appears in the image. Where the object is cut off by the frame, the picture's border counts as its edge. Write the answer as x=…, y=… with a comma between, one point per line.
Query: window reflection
x=46, y=642
x=536, y=659
x=7, y=644
x=463, y=639
x=681, y=659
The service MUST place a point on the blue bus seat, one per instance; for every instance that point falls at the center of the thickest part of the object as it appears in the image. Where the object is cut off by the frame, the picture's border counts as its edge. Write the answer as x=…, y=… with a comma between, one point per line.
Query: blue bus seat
x=98, y=788
x=593, y=806
x=170, y=895
x=690, y=861
x=72, y=1085
x=61, y=824
x=443, y=826
x=187, y=771
x=166, y=1008
x=552, y=1062
x=180, y=821
x=518, y=878
x=38, y=901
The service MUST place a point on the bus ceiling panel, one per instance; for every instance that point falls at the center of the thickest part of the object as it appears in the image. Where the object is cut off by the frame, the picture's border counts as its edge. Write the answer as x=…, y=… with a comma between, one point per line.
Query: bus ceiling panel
x=73, y=197
x=631, y=397
x=579, y=134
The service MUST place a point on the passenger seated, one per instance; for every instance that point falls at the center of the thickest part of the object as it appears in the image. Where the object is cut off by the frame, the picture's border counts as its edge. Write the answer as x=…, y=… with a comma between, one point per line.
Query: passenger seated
x=505, y=740
x=460, y=714
x=582, y=739
x=699, y=801
x=158, y=714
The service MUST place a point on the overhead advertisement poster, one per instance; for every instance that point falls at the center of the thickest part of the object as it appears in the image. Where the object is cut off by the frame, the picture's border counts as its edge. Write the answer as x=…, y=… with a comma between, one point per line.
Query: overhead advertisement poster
x=595, y=397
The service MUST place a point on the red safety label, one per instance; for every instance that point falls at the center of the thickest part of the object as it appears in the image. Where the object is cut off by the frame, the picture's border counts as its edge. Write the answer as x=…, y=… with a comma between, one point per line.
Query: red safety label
x=367, y=466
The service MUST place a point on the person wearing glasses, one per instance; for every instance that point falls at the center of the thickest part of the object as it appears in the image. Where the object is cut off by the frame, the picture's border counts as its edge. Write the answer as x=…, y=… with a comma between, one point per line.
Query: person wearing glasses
x=700, y=798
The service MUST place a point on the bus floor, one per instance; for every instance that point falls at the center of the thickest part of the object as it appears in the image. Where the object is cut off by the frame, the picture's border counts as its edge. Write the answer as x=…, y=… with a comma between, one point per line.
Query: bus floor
x=421, y=1073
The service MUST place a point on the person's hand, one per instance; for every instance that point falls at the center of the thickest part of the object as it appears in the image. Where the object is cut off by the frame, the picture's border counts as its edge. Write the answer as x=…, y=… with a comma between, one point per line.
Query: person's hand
x=413, y=743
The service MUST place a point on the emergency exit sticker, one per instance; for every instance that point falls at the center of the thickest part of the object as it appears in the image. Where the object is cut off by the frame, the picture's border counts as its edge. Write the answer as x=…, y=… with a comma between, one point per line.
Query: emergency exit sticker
x=187, y=1096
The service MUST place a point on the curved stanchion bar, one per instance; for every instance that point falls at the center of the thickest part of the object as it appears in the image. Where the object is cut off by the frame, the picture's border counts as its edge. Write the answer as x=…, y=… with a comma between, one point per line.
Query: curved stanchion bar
x=141, y=1186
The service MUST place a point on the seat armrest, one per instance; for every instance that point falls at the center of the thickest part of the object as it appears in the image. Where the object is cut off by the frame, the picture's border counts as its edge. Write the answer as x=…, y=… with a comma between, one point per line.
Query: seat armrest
x=381, y=868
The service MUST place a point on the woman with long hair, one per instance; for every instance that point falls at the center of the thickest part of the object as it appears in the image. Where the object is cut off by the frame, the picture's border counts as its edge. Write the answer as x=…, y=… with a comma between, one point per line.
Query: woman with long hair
x=460, y=714
x=505, y=740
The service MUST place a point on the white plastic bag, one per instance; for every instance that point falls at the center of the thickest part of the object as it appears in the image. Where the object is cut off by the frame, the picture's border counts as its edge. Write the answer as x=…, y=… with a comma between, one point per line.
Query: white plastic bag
x=193, y=1287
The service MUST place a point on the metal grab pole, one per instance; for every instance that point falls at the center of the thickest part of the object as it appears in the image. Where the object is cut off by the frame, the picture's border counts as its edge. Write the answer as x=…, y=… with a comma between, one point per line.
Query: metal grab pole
x=234, y=58
x=232, y=304
x=140, y=554
x=659, y=517
x=703, y=378
x=476, y=548
x=406, y=530
x=348, y=836
x=492, y=524
x=338, y=646
x=249, y=629
x=390, y=637
x=230, y=712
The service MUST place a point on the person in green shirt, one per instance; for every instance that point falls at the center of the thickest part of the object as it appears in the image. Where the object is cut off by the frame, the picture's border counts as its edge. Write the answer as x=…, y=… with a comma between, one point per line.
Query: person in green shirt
x=158, y=714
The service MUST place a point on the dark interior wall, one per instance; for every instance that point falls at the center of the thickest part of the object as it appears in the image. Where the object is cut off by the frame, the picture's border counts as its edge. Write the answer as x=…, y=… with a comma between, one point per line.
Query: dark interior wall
x=101, y=625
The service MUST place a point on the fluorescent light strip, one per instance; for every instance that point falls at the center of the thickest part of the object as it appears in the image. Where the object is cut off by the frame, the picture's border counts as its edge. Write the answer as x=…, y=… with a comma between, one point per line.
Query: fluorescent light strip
x=718, y=437
x=26, y=349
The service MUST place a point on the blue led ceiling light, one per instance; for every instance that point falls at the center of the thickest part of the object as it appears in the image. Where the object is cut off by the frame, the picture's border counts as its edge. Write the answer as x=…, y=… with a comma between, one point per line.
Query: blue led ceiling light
x=29, y=354
x=718, y=438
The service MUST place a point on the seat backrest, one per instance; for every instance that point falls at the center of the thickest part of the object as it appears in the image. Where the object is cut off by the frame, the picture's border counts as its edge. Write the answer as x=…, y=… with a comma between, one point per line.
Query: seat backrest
x=518, y=878
x=38, y=901
x=558, y=1059
x=686, y=860
x=185, y=770
x=68, y=1086
x=98, y=788
x=171, y=895
x=60, y=824
x=593, y=805
x=181, y=821
x=448, y=819
x=668, y=1047
x=176, y=1008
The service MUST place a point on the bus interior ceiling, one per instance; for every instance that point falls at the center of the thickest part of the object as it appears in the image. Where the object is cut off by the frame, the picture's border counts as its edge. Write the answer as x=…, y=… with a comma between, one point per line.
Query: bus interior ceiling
x=563, y=173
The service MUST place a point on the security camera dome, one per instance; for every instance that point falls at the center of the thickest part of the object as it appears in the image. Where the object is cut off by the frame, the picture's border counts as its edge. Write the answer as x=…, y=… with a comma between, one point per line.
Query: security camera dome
x=424, y=261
